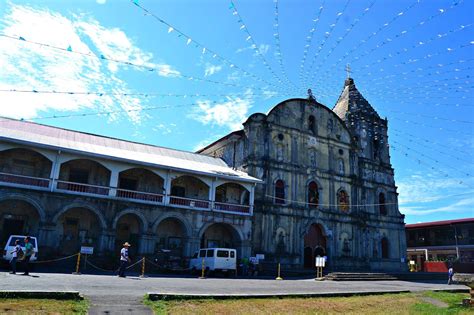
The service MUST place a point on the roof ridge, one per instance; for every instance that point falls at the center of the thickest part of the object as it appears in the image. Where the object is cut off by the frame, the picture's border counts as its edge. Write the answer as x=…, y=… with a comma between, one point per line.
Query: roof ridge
x=103, y=136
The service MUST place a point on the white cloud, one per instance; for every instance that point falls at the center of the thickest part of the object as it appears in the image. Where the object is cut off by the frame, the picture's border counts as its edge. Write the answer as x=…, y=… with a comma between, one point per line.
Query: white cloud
x=203, y=143
x=427, y=188
x=211, y=69
x=33, y=67
x=230, y=114
x=101, y=1
x=164, y=129
x=463, y=205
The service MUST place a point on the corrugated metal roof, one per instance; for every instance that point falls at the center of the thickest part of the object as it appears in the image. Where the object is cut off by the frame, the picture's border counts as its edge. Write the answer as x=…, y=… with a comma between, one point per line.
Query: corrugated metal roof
x=438, y=223
x=49, y=136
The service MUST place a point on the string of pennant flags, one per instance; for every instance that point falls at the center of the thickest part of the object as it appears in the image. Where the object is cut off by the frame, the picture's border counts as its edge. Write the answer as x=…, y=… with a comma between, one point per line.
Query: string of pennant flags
x=207, y=51
x=102, y=57
x=148, y=94
x=341, y=38
x=362, y=42
x=459, y=148
x=253, y=44
x=309, y=40
x=429, y=166
x=327, y=85
x=385, y=26
x=276, y=36
x=327, y=35
x=430, y=147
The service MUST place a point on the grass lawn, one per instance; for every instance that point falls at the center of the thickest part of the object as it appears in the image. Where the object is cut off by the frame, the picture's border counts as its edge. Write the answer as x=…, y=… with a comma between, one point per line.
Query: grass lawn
x=42, y=306
x=407, y=303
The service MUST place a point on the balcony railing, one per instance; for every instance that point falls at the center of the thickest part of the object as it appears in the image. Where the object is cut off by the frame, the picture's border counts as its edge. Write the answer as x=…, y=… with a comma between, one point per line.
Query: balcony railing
x=232, y=207
x=139, y=195
x=83, y=188
x=188, y=202
x=24, y=180
x=111, y=192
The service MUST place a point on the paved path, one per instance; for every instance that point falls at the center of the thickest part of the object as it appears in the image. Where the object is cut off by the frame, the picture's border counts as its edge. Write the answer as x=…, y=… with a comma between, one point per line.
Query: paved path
x=110, y=293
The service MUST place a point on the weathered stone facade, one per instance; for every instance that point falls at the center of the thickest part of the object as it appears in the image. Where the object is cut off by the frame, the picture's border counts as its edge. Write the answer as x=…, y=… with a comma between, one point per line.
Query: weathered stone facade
x=328, y=185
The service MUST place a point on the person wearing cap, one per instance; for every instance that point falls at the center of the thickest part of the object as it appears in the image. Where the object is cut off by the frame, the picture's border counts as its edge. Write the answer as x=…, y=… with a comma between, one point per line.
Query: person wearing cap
x=124, y=259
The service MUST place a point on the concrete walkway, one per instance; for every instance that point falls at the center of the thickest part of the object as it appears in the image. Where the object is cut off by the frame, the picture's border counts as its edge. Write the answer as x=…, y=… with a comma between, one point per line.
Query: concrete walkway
x=113, y=295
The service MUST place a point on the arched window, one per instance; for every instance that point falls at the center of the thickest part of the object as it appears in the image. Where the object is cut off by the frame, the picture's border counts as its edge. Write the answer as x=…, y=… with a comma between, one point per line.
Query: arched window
x=313, y=195
x=382, y=206
x=343, y=200
x=340, y=167
x=385, y=248
x=280, y=191
x=312, y=123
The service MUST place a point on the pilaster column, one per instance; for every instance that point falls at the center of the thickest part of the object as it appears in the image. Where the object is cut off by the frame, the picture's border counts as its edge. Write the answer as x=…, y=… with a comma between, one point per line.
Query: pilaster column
x=251, y=198
x=55, y=168
x=167, y=188
x=212, y=193
x=113, y=184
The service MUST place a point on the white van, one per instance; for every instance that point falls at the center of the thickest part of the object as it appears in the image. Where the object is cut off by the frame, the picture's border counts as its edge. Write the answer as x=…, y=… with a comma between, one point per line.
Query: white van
x=7, y=253
x=215, y=259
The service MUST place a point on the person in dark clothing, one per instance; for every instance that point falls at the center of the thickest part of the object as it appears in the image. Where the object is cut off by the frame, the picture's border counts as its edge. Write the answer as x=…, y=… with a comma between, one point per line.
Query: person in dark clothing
x=15, y=253
x=124, y=259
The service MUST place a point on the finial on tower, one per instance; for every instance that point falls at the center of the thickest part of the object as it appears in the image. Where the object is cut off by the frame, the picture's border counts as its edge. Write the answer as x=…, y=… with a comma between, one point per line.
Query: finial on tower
x=348, y=71
x=311, y=96
x=349, y=80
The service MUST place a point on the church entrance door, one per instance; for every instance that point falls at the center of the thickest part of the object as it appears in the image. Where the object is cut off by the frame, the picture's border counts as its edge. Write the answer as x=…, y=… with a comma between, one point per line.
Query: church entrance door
x=314, y=245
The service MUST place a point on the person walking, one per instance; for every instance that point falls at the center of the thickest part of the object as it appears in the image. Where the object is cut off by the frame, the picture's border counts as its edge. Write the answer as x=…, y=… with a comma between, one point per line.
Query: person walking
x=15, y=253
x=450, y=275
x=124, y=259
x=29, y=251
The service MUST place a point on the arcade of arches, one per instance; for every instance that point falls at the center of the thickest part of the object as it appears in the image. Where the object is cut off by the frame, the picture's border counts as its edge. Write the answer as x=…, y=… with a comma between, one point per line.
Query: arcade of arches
x=77, y=227
x=128, y=229
x=314, y=245
x=220, y=235
x=17, y=217
x=171, y=235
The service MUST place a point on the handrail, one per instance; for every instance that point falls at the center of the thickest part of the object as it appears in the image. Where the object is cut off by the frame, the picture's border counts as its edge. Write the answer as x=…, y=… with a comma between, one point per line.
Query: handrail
x=115, y=192
x=24, y=180
x=139, y=195
x=81, y=187
x=233, y=207
x=190, y=202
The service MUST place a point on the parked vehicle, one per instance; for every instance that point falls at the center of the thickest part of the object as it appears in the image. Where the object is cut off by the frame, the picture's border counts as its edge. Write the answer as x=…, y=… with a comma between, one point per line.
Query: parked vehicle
x=215, y=259
x=10, y=245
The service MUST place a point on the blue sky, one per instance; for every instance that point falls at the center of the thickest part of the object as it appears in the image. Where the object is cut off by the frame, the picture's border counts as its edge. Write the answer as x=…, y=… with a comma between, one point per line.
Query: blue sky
x=195, y=64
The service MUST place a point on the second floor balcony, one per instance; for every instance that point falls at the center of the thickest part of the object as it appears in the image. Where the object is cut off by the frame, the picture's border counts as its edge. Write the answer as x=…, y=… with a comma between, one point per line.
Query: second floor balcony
x=92, y=178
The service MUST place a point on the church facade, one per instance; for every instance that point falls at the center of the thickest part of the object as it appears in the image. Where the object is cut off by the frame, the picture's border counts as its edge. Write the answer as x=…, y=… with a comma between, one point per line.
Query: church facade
x=328, y=186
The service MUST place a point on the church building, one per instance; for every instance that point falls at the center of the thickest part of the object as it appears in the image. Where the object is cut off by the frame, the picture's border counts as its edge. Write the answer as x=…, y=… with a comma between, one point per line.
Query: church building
x=328, y=186
x=299, y=182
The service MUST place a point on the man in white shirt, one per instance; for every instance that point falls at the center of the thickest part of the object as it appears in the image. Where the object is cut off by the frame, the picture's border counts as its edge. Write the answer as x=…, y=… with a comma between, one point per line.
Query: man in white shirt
x=124, y=259
x=15, y=252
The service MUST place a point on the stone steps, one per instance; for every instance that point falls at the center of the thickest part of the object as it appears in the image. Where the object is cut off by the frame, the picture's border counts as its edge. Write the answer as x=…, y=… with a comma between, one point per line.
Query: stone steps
x=359, y=276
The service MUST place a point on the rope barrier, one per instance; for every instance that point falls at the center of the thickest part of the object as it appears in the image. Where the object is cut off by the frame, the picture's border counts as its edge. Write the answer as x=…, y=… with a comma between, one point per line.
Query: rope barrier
x=139, y=261
x=52, y=260
x=101, y=269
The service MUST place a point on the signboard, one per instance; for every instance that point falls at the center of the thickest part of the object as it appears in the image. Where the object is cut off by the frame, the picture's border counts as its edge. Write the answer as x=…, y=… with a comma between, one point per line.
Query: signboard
x=320, y=262
x=260, y=256
x=253, y=260
x=87, y=250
